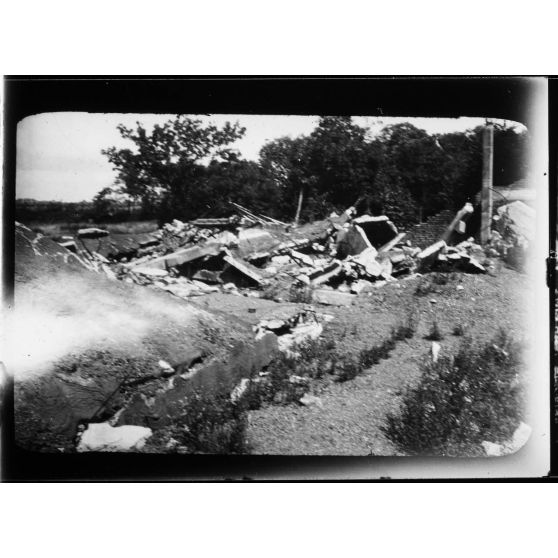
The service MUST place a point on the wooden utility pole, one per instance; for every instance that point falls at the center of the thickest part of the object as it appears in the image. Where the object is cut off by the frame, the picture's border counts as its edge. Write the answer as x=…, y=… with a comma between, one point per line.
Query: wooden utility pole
x=487, y=170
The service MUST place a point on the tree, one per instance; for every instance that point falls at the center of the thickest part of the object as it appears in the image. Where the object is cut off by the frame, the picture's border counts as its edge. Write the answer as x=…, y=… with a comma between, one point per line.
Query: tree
x=284, y=161
x=329, y=169
x=165, y=170
x=413, y=162
x=342, y=160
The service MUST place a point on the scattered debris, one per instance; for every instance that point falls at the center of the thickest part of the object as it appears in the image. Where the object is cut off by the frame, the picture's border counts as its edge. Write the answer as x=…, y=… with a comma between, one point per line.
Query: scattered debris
x=292, y=327
x=345, y=256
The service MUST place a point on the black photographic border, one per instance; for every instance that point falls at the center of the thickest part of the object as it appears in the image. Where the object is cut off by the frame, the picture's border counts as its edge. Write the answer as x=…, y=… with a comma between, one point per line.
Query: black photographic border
x=498, y=97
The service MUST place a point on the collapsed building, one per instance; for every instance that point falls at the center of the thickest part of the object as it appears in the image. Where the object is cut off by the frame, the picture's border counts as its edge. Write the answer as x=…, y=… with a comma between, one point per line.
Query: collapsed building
x=330, y=262
x=333, y=260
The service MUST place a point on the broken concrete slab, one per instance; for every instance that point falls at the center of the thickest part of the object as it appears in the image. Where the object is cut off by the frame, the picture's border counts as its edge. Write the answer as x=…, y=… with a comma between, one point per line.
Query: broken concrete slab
x=184, y=289
x=301, y=259
x=351, y=241
x=323, y=275
x=471, y=265
x=378, y=230
x=367, y=262
x=333, y=298
x=459, y=222
x=69, y=245
x=429, y=255
x=104, y=437
x=393, y=242
x=150, y=272
x=244, y=268
x=204, y=287
x=219, y=222
x=92, y=233
x=387, y=267
x=255, y=239
x=211, y=277
x=148, y=242
x=227, y=239
x=185, y=255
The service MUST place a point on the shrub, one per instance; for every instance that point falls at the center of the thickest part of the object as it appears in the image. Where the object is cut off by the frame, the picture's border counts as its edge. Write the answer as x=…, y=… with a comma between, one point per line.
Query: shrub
x=312, y=359
x=347, y=368
x=458, y=330
x=435, y=334
x=405, y=330
x=212, y=424
x=462, y=401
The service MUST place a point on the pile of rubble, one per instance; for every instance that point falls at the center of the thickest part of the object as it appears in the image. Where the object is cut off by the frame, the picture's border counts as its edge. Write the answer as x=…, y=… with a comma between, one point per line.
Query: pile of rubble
x=337, y=259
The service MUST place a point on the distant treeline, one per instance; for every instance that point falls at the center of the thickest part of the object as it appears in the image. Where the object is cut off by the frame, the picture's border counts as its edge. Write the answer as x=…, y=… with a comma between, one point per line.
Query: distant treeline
x=185, y=169
x=35, y=211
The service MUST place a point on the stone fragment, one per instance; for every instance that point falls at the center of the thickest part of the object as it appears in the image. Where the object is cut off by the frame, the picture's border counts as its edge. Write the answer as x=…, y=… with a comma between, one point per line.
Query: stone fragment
x=301, y=259
x=323, y=275
x=429, y=255
x=367, y=261
x=435, y=350
x=150, y=271
x=361, y=286
x=351, y=242
x=244, y=268
x=103, y=437
x=92, y=233
x=389, y=245
x=333, y=298
x=491, y=449
x=311, y=401
x=239, y=390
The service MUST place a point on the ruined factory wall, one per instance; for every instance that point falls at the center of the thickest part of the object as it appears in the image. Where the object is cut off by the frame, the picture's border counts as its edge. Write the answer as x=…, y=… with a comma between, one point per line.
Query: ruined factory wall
x=427, y=233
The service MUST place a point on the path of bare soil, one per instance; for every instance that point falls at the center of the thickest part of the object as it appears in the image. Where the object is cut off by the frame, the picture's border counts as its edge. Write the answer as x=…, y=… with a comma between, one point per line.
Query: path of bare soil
x=351, y=416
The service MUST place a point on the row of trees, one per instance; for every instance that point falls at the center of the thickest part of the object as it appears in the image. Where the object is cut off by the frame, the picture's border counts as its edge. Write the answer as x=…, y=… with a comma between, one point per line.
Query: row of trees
x=185, y=169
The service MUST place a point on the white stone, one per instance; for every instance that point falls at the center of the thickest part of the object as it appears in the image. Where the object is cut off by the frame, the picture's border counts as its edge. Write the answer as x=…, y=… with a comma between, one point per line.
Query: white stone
x=239, y=390
x=150, y=271
x=491, y=449
x=165, y=366
x=310, y=400
x=104, y=437
x=436, y=348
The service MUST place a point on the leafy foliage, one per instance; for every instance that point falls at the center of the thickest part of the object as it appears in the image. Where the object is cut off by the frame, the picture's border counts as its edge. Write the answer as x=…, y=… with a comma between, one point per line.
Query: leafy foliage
x=463, y=400
x=186, y=169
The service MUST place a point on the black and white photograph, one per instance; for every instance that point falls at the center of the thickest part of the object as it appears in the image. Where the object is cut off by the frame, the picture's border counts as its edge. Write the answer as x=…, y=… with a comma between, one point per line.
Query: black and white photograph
x=281, y=284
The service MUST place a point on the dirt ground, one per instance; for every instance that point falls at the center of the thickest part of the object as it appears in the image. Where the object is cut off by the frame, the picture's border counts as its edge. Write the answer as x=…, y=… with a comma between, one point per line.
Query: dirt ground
x=77, y=335
x=352, y=413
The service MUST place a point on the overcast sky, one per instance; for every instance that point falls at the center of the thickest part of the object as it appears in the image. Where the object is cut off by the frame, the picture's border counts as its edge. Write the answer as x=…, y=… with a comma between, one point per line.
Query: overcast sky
x=59, y=154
